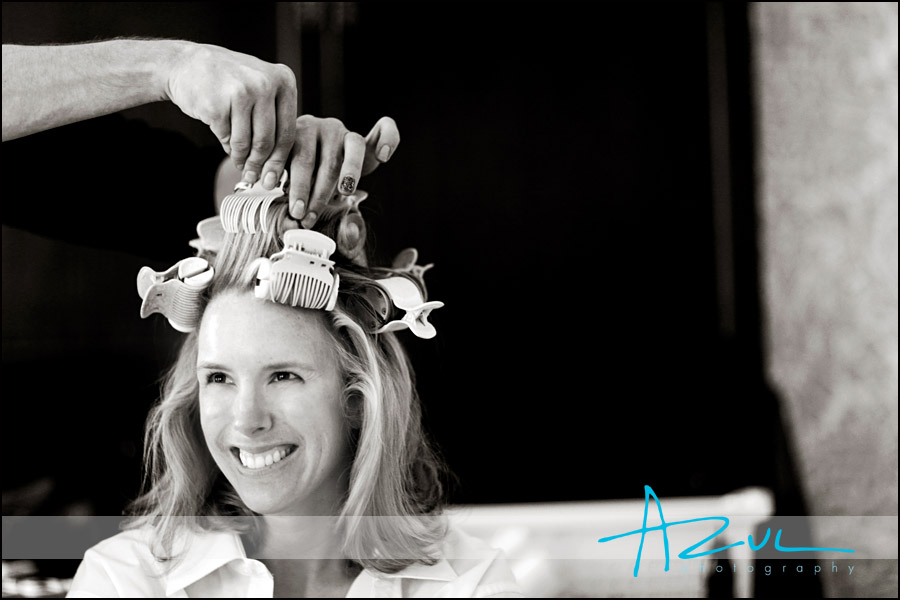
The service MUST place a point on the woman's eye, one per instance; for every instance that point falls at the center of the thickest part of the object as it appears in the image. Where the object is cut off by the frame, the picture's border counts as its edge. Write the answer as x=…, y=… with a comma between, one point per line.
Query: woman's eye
x=216, y=378
x=286, y=376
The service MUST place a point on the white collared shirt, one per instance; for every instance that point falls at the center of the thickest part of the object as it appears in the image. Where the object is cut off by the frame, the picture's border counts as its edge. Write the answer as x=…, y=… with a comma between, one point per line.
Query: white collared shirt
x=216, y=566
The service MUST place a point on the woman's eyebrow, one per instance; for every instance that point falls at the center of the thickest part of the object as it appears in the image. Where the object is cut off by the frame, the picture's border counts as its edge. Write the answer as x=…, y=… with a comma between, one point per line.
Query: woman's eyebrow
x=270, y=367
x=291, y=365
x=211, y=366
x=278, y=366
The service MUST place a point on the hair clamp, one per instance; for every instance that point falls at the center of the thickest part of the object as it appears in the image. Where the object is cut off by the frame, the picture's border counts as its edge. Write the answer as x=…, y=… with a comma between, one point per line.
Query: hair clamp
x=175, y=293
x=405, y=290
x=301, y=274
x=211, y=236
x=405, y=263
x=247, y=209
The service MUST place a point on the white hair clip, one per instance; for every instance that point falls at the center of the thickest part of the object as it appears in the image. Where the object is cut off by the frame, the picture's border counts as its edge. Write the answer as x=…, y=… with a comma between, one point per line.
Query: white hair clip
x=212, y=236
x=175, y=293
x=406, y=295
x=247, y=209
x=405, y=262
x=301, y=274
x=405, y=291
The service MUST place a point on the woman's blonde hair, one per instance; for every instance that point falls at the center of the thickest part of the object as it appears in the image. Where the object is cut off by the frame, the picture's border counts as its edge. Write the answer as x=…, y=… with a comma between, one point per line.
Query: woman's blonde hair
x=395, y=471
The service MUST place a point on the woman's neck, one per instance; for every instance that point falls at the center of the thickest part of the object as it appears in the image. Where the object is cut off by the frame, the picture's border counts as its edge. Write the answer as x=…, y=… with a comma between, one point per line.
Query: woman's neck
x=304, y=556
x=296, y=537
x=326, y=578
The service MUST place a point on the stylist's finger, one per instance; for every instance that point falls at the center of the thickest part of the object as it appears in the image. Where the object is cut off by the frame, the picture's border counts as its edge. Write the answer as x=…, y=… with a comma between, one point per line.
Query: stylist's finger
x=263, y=141
x=323, y=190
x=303, y=165
x=354, y=154
x=241, y=132
x=331, y=156
x=285, y=129
x=221, y=128
x=381, y=143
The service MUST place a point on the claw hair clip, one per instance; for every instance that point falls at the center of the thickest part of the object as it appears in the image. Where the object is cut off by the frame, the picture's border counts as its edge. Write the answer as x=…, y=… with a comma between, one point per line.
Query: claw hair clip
x=247, y=209
x=175, y=293
x=212, y=236
x=300, y=275
x=404, y=291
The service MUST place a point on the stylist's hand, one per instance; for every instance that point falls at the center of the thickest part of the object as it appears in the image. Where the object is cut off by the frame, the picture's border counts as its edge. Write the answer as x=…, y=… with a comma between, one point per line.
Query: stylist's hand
x=249, y=104
x=329, y=158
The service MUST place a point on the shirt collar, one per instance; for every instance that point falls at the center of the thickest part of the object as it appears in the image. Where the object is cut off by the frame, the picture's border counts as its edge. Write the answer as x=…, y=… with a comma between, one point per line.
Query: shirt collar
x=440, y=571
x=213, y=550
x=204, y=553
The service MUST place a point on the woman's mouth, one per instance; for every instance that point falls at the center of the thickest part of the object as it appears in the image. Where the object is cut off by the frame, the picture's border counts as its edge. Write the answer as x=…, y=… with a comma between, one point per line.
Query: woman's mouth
x=262, y=460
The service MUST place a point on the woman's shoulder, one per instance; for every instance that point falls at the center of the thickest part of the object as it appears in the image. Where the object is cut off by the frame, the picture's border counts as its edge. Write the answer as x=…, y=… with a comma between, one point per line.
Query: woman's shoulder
x=129, y=563
x=479, y=566
x=459, y=547
x=120, y=564
x=128, y=546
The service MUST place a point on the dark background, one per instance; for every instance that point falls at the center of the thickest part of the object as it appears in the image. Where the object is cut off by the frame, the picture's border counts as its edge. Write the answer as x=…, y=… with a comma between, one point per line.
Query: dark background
x=581, y=177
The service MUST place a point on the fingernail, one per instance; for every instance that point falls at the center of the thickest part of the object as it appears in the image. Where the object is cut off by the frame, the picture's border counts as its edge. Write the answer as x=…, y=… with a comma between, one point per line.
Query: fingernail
x=310, y=220
x=250, y=176
x=384, y=153
x=348, y=184
x=297, y=211
x=270, y=179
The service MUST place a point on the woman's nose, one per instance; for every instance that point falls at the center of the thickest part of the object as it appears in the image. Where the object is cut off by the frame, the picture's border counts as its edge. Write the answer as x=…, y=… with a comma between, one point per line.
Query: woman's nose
x=251, y=412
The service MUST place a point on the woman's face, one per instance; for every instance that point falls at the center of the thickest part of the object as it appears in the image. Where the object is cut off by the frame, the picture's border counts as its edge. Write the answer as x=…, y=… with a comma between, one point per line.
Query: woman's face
x=270, y=405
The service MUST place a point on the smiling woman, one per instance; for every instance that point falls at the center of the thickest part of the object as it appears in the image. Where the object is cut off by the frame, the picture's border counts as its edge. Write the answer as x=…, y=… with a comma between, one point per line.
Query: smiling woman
x=286, y=456
x=271, y=407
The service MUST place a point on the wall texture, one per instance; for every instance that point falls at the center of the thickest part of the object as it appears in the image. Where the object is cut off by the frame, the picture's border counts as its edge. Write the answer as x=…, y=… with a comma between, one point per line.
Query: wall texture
x=826, y=78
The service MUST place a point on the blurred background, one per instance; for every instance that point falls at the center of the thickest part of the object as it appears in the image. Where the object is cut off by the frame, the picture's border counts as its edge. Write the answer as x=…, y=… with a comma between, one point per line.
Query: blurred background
x=665, y=235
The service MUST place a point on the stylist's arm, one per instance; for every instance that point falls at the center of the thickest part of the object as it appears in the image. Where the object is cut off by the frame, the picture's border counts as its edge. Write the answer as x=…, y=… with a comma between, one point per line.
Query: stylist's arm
x=250, y=105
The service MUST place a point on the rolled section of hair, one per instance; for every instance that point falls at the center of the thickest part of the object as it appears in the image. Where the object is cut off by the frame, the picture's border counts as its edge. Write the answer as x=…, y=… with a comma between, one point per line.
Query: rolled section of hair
x=343, y=222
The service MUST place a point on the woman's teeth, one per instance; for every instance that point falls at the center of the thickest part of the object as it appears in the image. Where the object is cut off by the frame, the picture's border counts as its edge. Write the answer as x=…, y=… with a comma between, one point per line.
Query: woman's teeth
x=258, y=461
